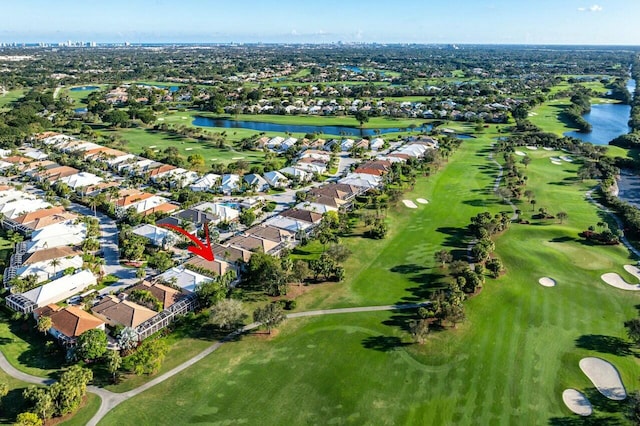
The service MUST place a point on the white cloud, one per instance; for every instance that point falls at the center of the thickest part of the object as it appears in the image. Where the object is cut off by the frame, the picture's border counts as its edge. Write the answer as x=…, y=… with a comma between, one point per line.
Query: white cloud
x=594, y=8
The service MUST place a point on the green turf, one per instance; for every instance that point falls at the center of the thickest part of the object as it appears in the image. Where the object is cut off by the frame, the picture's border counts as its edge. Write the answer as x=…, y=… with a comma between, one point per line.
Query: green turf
x=508, y=364
x=10, y=96
x=24, y=348
x=90, y=406
x=79, y=97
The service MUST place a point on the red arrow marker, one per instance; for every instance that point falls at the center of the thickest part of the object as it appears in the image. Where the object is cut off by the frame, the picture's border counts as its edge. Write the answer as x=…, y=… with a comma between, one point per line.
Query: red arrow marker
x=200, y=249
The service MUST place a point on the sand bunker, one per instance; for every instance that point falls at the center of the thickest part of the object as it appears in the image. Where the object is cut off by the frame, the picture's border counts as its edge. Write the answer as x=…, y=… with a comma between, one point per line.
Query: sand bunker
x=184, y=118
x=410, y=204
x=577, y=402
x=521, y=154
x=567, y=159
x=422, y=201
x=532, y=148
x=237, y=158
x=547, y=282
x=152, y=146
x=548, y=148
x=604, y=376
x=188, y=149
x=557, y=163
x=160, y=119
x=633, y=270
x=615, y=280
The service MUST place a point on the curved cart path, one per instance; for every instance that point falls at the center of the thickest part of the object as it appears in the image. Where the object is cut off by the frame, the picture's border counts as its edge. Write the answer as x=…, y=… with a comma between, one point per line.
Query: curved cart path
x=110, y=400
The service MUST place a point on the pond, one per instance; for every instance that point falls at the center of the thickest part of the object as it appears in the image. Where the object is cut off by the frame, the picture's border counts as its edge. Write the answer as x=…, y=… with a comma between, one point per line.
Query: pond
x=83, y=88
x=631, y=86
x=608, y=121
x=298, y=128
x=629, y=187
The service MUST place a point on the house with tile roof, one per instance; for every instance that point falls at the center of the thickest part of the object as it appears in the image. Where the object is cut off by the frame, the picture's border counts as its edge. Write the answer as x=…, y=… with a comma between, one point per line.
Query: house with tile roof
x=115, y=311
x=68, y=323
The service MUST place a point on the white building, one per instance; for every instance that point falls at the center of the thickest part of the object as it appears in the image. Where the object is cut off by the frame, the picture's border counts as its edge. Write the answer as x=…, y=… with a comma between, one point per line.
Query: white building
x=206, y=183
x=276, y=179
x=80, y=180
x=158, y=236
x=52, y=292
x=183, y=278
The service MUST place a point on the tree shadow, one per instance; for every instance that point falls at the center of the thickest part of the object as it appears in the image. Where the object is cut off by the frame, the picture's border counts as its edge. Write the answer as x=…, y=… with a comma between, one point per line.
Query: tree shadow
x=410, y=268
x=602, y=403
x=383, y=343
x=592, y=420
x=605, y=344
x=564, y=239
x=456, y=237
x=477, y=203
x=12, y=404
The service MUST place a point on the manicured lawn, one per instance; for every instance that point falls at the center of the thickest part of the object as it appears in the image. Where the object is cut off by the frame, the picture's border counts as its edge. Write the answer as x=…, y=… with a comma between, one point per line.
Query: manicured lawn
x=90, y=406
x=139, y=138
x=80, y=96
x=10, y=96
x=24, y=348
x=507, y=364
x=12, y=403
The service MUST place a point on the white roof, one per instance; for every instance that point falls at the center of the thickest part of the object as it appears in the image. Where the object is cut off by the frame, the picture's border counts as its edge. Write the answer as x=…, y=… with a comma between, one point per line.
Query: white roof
x=120, y=159
x=60, y=289
x=376, y=143
x=18, y=205
x=361, y=180
x=59, y=234
x=185, y=278
x=275, y=141
x=293, y=171
x=5, y=165
x=56, y=139
x=81, y=179
x=313, y=168
x=225, y=213
x=287, y=223
x=206, y=182
x=315, y=207
x=230, y=182
x=275, y=178
x=182, y=177
x=44, y=270
x=155, y=234
x=36, y=154
x=149, y=203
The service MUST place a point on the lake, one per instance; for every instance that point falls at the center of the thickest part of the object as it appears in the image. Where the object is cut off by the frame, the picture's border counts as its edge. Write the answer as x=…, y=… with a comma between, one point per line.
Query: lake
x=631, y=86
x=629, y=187
x=297, y=128
x=608, y=121
x=83, y=88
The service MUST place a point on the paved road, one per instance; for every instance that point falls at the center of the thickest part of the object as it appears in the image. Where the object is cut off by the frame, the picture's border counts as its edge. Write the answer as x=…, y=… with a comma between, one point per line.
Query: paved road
x=109, y=246
x=17, y=374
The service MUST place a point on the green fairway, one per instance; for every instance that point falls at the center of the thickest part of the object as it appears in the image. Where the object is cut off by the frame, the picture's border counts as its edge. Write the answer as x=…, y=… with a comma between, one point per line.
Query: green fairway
x=507, y=364
x=10, y=96
x=137, y=139
x=79, y=97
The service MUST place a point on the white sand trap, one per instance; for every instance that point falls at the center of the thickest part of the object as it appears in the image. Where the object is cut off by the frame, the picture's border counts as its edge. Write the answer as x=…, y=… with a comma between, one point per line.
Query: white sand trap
x=160, y=119
x=184, y=118
x=422, y=201
x=521, y=154
x=237, y=158
x=548, y=148
x=156, y=150
x=188, y=149
x=410, y=204
x=615, y=280
x=152, y=146
x=532, y=114
x=532, y=148
x=557, y=163
x=633, y=270
x=605, y=377
x=547, y=282
x=567, y=159
x=577, y=402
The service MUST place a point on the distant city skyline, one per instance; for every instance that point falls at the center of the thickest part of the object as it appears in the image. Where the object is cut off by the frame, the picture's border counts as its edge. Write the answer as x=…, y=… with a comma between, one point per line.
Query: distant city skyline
x=590, y=22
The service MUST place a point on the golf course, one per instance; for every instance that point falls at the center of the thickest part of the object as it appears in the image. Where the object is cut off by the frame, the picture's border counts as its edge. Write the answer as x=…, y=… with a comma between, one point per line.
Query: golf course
x=508, y=363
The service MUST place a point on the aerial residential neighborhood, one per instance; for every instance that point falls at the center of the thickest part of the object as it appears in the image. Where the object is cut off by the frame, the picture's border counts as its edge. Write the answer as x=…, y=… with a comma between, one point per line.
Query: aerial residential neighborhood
x=294, y=213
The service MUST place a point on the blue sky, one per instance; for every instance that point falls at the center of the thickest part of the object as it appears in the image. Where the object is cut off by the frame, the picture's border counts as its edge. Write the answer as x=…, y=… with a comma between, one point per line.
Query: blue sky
x=304, y=21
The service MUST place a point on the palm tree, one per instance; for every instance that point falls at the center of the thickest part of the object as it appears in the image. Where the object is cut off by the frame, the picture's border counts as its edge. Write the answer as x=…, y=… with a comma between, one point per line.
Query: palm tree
x=44, y=324
x=54, y=263
x=533, y=204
